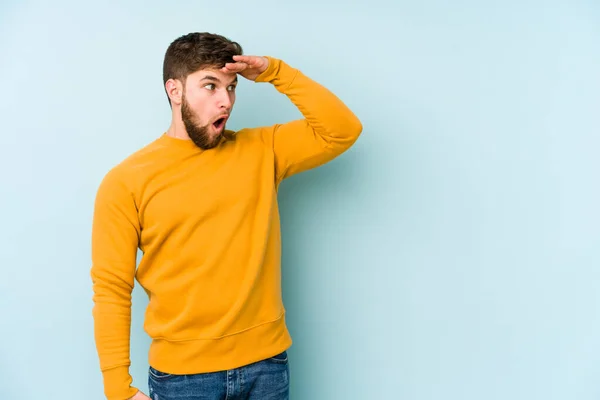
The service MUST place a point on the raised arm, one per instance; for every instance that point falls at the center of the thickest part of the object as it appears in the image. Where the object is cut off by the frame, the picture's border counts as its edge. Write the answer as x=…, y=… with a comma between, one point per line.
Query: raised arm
x=328, y=128
x=115, y=238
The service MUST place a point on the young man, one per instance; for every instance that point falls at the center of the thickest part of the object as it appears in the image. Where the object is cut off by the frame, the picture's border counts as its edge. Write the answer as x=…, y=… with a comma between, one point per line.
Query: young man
x=200, y=202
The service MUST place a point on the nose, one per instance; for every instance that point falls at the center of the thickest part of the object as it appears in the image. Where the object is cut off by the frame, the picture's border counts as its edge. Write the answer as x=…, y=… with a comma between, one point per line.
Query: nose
x=225, y=100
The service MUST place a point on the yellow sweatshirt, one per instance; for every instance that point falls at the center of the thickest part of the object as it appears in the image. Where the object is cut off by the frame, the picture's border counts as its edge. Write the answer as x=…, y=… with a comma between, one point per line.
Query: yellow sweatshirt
x=207, y=223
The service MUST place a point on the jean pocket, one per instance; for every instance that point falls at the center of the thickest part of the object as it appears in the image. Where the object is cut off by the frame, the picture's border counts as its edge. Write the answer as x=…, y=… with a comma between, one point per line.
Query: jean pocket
x=281, y=358
x=159, y=375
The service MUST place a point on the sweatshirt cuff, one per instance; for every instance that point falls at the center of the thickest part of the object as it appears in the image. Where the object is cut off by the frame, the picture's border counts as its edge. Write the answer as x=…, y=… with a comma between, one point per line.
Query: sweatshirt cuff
x=117, y=383
x=278, y=72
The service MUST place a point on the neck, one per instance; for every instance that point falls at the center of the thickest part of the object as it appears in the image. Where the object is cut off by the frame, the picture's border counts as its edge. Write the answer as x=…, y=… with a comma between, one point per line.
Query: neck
x=177, y=129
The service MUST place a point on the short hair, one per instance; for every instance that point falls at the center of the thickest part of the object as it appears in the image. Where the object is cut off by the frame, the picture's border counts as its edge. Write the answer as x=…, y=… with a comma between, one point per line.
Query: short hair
x=195, y=51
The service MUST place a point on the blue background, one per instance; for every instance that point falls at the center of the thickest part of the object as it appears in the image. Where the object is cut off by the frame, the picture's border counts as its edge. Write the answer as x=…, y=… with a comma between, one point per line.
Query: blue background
x=452, y=253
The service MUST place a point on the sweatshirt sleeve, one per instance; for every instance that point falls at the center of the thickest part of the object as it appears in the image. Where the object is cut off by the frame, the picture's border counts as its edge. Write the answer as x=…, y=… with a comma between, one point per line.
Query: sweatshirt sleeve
x=328, y=128
x=115, y=238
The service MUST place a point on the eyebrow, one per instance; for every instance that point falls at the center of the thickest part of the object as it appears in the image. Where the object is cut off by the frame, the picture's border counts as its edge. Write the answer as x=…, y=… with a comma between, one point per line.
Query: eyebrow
x=215, y=79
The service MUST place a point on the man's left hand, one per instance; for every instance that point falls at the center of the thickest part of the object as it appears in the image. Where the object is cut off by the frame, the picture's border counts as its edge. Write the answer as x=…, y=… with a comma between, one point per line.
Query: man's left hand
x=250, y=67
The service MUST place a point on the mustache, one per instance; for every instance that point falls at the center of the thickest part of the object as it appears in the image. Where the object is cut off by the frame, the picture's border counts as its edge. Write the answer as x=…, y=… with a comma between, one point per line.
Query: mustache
x=199, y=134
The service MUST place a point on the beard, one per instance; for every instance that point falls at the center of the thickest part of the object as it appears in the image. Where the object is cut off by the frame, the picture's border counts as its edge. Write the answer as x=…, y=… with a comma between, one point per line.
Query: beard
x=200, y=134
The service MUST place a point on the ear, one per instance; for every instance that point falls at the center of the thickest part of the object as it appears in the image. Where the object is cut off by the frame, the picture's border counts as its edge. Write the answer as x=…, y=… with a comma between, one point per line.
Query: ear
x=174, y=90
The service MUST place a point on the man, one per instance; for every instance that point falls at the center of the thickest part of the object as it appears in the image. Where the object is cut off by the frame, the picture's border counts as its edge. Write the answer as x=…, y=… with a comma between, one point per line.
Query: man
x=200, y=202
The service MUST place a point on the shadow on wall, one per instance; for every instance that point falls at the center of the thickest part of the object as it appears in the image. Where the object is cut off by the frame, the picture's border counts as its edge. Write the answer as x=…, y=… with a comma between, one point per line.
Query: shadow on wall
x=299, y=197
x=10, y=383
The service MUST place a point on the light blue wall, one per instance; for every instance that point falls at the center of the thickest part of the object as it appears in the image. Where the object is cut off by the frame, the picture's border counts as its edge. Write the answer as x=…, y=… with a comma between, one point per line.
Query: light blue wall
x=452, y=254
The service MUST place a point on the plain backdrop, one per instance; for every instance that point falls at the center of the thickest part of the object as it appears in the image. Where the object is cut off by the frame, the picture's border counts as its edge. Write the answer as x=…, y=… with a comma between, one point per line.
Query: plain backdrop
x=452, y=253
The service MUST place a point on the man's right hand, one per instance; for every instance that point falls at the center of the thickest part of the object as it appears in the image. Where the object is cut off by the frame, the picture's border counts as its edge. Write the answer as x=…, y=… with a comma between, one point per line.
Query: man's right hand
x=140, y=396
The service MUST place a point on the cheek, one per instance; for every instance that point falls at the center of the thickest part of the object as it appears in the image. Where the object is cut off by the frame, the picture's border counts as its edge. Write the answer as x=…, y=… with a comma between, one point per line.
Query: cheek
x=200, y=105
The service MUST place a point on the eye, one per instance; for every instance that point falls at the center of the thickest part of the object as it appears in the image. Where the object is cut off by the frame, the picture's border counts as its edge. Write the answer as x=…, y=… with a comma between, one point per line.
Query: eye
x=210, y=86
x=231, y=88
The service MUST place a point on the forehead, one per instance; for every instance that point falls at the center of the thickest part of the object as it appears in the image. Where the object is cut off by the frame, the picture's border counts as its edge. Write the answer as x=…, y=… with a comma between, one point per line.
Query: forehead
x=212, y=75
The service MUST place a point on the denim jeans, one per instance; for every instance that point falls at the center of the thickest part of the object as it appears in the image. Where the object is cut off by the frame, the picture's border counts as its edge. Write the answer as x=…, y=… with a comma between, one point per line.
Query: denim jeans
x=264, y=380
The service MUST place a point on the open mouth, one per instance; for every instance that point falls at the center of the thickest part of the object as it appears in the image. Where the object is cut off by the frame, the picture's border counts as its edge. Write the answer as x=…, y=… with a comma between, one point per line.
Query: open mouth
x=219, y=123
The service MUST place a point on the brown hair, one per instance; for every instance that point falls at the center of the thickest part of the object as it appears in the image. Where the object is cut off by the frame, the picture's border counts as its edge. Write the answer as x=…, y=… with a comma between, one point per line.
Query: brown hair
x=198, y=50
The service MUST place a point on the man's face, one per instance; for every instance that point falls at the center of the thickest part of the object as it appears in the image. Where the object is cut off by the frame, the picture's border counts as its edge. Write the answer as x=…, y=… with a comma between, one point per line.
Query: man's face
x=207, y=101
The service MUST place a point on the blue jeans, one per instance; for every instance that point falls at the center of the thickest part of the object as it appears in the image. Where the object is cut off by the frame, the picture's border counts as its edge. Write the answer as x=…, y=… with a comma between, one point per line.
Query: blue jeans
x=264, y=380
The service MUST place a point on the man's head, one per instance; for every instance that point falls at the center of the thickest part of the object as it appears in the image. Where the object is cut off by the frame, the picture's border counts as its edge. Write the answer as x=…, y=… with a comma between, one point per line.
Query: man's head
x=197, y=90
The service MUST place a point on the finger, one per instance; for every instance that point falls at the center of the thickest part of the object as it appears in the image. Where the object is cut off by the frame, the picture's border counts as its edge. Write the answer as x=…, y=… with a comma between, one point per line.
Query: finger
x=235, y=67
x=253, y=61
